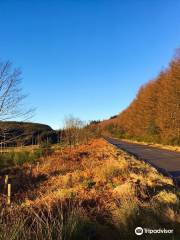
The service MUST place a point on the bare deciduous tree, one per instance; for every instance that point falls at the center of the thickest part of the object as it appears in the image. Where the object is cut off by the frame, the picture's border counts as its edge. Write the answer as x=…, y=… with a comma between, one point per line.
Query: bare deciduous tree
x=76, y=131
x=73, y=129
x=11, y=96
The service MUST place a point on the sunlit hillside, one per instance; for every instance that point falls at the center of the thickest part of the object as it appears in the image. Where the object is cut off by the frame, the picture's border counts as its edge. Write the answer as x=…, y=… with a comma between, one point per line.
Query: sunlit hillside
x=154, y=114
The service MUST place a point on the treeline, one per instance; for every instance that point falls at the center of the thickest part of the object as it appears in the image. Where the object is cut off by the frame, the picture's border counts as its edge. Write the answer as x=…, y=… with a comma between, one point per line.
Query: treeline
x=154, y=115
x=74, y=132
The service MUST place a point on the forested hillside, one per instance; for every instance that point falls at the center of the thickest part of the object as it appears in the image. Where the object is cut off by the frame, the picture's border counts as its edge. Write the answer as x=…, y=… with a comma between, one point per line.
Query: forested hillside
x=154, y=115
x=25, y=133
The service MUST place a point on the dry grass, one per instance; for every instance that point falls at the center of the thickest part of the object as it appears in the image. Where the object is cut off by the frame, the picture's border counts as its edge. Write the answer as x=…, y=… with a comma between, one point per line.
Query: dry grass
x=19, y=149
x=91, y=191
x=157, y=145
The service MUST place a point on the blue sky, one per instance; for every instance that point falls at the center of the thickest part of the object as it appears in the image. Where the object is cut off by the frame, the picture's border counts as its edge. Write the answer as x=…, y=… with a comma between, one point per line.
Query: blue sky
x=87, y=57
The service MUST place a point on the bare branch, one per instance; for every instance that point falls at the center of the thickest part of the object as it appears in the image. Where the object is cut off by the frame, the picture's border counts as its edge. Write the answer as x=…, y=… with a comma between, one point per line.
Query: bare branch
x=11, y=97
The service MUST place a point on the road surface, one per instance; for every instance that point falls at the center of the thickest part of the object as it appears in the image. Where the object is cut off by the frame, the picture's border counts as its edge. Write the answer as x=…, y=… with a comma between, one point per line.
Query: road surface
x=166, y=161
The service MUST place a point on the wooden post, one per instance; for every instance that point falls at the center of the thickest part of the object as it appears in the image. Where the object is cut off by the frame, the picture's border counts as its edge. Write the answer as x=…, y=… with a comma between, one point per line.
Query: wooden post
x=37, y=167
x=9, y=194
x=6, y=180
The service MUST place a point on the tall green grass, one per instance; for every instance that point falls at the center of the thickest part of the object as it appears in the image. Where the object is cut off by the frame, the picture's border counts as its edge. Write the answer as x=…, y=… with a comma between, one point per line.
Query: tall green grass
x=62, y=222
x=13, y=158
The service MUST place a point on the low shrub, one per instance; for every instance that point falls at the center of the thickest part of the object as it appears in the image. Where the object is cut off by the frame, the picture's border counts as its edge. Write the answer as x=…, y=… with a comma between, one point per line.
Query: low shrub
x=46, y=149
x=21, y=157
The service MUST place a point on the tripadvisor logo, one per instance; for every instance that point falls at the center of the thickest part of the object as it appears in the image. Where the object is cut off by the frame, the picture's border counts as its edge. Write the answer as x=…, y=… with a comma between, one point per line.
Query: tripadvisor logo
x=140, y=231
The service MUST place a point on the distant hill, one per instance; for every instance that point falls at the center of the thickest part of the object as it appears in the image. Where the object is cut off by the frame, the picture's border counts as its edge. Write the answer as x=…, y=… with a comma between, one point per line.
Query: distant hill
x=14, y=133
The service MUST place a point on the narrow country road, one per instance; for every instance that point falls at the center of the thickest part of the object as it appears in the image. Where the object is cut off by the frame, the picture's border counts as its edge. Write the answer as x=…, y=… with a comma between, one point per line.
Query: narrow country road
x=166, y=161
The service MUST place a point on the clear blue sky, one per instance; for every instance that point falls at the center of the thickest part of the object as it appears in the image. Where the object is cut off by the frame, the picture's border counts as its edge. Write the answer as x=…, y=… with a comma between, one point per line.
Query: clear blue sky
x=88, y=57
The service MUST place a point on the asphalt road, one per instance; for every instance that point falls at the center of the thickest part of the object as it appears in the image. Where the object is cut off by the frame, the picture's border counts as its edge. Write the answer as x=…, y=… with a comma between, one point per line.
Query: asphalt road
x=166, y=161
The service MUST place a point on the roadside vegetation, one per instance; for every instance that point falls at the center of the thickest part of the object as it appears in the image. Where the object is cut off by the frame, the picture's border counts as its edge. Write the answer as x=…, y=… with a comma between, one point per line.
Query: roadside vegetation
x=174, y=148
x=88, y=191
